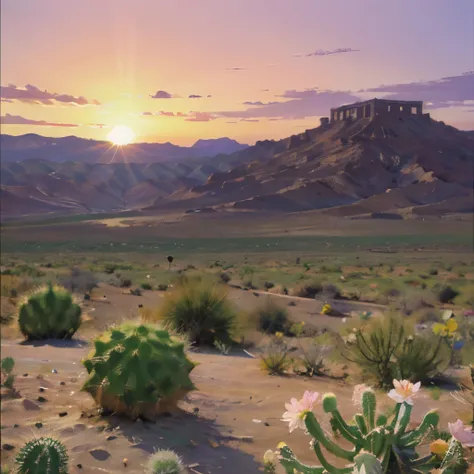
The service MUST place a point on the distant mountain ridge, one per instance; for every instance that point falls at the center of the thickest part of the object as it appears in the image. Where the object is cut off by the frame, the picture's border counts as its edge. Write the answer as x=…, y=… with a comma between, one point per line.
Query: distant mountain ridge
x=396, y=167
x=72, y=148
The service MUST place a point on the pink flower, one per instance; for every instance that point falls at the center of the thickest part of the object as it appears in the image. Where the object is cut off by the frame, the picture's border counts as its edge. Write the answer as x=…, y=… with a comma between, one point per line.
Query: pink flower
x=464, y=434
x=298, y=409
x=404, y=391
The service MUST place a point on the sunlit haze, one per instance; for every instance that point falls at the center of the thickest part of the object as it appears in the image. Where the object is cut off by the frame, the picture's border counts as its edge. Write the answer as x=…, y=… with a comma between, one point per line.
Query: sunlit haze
x=178, y=71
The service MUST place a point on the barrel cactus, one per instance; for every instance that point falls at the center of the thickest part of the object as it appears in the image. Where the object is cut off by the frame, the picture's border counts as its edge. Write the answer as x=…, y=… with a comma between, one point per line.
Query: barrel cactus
x=49, y=313
x=138, y=371
x=42, y=456
x=165, y=462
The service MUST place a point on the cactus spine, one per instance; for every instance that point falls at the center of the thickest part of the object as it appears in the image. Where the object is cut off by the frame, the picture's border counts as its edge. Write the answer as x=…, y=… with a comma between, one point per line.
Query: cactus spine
x=49, y=313
x=138, y=371
x=42, y=456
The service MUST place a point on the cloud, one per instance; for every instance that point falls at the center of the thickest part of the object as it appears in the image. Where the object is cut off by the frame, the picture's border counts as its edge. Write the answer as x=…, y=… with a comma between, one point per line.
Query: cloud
x=200, y=117
x=265, y=90
x=301, y=104
x=441, y=93
x=33, y=95
x=235, y=69
x=147, y=113
x=161, y=95
x=98, y=125
x=195, y=96
x=171, y=114
x=259, y=103
x=6, y=100
x=249, y=120
x=321, y=52
x=209, y=96
x=17, y=120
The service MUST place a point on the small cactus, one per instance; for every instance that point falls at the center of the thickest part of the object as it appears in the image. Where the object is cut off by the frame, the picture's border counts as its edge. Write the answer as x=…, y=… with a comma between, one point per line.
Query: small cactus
x=42, y=456
x=165, y=462
x=49, y=313
x=138, y=371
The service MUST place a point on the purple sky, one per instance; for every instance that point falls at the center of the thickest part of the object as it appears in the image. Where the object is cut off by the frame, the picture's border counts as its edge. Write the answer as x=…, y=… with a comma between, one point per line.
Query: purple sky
x=248, y=69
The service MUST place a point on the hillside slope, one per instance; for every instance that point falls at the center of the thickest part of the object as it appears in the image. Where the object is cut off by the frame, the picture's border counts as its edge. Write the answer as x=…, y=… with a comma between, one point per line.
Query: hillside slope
x=371, y=167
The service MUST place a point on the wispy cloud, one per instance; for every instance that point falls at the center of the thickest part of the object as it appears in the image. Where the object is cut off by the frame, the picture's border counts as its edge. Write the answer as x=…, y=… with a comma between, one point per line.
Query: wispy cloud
x=200, y=117
x=259, y=103
x=147, y=113
x=321, y=52
x=300, y=104
x=235, y=69
x=33, y=95
x=195, y=96
x=9, y=119
x=446, y=92
x=98, y=125
x=249, y=120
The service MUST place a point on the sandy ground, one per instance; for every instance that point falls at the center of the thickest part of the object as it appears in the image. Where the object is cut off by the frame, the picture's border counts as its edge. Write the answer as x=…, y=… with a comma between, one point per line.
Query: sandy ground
x=224, y=427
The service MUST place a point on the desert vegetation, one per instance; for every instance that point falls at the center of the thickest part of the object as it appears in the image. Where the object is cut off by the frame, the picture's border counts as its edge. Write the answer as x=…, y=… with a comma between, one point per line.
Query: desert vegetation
x=158, y=333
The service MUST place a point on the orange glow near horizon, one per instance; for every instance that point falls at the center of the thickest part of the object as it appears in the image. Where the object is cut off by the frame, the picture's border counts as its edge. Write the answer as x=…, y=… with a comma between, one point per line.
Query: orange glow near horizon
x=121, y=135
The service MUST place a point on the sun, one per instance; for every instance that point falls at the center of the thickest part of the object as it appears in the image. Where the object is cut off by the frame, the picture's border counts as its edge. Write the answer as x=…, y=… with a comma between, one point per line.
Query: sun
x=121, y=135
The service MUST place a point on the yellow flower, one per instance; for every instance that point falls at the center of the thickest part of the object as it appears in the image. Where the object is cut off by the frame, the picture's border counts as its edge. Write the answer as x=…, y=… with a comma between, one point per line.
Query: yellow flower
x=447, y=329
x=439, y=447
x=281, y=445
x=279, y=334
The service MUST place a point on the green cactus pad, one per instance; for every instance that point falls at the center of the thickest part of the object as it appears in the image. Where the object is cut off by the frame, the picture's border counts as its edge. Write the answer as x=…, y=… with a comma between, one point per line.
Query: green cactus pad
x=329, y=402
x=42, y=456
x=49, y=313
x=138, y=371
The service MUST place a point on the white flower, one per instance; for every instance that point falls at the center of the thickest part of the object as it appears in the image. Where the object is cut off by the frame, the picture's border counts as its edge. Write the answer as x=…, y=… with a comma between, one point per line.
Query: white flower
x=298, y=409
x=464, y=434
x=404, y=391
x=357, y=394
x=351, y=338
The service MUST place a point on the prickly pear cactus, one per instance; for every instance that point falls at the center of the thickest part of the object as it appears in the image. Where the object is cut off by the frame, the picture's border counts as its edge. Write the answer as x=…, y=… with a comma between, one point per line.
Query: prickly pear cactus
x=42, y=456
x=49, y=313
x=138, y=371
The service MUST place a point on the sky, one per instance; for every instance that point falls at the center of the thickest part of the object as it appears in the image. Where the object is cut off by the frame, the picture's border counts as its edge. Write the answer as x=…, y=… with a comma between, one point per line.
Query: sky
x=180, y=70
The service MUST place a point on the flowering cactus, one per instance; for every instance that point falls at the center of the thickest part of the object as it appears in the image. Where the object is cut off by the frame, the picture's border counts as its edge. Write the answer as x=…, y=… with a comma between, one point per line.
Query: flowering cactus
x=378, y=443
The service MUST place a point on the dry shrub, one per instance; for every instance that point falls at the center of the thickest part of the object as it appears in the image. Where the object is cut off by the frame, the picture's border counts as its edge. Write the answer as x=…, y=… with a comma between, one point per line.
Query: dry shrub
x=274, y=357
x=12, y=286
x=308, y=289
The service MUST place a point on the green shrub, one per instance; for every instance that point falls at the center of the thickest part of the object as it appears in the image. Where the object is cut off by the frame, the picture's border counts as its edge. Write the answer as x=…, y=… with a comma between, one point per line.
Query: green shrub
x=146, y=286
x=7, y=366
x=447, y=295
x=308, y=289
x=268, y=285
x=225, y=277
x=42, y=456
x=165, y=462
x=137, y=371
x=311, y=362
x=433, y=272
x=49, y=313
x=109, y=268
x=80, y=280
x=383, y=349
x=200, y=309
x=162, y=287
x=271, y=318
x=274, y=357
x=125, y=282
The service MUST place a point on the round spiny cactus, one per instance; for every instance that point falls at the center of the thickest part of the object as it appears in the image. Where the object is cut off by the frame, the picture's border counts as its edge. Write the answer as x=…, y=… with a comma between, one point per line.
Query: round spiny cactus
x=165, y=462
x=42, y=456
x=49, y=313
x=138, y=371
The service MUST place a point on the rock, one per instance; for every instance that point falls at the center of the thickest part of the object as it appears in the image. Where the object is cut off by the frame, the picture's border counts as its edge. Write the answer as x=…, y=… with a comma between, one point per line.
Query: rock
x=16, y=426
x=62, y=383
x=54, y=371
x=99, y=454
x=29, y=405
x=79, y=466
x=39, y=425
x=111, y=438
x=42, y=389
x=25, y=375
x=8, y=447
x=267, y=424
x=41, y=399
x=63, y=413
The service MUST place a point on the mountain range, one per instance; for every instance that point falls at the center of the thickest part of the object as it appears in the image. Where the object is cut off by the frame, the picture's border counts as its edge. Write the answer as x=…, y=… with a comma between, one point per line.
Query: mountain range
x=32, y=146
x=380, y=167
